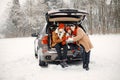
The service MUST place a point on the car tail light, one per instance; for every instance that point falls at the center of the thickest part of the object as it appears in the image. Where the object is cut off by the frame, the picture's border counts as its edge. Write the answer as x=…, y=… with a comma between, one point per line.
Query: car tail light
x=44, y=40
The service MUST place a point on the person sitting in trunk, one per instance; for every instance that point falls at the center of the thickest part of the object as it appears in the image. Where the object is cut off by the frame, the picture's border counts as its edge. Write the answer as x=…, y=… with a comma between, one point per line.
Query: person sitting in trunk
x=73, y=46
x=59, y=41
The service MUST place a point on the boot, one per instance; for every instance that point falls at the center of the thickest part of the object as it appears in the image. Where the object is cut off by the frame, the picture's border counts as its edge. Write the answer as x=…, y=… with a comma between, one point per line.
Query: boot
x=87, y=67
x=58, y=58
x=63, y=64
x=84, y=66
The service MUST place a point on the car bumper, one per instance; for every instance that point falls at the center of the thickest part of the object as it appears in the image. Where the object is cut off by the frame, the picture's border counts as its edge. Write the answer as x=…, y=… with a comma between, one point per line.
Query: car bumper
x=52, y=55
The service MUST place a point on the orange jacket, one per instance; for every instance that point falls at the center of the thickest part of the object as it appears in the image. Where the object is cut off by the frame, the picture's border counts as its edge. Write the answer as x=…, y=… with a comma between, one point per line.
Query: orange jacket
x=56, y=39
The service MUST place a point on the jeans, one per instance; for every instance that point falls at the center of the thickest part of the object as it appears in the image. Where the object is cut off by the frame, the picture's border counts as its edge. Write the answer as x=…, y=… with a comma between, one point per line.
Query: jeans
x=61, y=55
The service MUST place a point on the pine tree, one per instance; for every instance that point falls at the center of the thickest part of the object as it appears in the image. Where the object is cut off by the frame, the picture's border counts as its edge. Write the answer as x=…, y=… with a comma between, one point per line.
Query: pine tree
x=16, y=20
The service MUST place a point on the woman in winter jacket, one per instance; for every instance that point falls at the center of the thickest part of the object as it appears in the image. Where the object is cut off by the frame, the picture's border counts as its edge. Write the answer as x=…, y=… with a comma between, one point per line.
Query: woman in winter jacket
x=82, y=39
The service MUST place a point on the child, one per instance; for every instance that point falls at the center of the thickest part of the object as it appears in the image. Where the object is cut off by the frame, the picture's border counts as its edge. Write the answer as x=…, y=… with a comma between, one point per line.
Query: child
x=73, y=46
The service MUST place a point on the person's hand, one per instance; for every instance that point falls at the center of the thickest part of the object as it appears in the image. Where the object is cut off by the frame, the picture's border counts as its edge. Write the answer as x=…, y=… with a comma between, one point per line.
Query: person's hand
x=69, y=40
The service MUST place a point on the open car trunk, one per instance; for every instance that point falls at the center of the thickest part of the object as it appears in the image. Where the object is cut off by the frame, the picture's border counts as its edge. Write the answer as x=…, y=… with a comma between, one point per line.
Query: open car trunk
x=66, y=16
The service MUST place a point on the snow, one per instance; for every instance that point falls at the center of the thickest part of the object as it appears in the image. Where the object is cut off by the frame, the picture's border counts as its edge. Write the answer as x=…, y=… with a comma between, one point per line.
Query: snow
x=22, y=2
x=2, y=36
x=68, y=3
x=5, y=6
x=4, y=11
x=17, y=61
x=108, y=2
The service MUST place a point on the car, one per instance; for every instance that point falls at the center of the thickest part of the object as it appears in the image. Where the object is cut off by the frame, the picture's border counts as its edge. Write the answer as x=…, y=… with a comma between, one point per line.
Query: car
x=42, y=44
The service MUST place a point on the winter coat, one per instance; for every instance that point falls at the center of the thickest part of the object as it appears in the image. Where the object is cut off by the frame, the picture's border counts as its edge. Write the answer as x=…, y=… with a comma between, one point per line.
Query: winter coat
x=82, y=39
x=56, y=39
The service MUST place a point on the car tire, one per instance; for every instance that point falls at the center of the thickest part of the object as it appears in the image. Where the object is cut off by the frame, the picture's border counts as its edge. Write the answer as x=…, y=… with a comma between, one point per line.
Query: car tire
x=43, y=64
x=36, y=53
x=36, y=48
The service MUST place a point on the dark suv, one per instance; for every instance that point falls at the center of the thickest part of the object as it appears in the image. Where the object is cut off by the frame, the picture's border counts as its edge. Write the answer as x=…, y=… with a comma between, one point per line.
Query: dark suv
x=43, y=50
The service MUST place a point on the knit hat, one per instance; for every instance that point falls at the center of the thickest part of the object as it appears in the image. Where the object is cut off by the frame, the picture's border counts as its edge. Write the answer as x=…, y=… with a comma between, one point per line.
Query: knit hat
x=61, y=26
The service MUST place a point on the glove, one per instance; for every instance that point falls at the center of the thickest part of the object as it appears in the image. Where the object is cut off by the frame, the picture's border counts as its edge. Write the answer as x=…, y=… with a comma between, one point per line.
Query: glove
x=69, y=40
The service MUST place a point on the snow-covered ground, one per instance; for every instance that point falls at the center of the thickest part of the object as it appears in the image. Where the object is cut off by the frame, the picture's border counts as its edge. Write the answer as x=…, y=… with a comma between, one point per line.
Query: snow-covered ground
x=17, y=61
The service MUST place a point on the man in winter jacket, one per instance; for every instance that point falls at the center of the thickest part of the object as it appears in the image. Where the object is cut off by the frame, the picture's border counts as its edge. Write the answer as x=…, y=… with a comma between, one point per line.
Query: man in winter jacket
x=82, y=39
x=59, y=41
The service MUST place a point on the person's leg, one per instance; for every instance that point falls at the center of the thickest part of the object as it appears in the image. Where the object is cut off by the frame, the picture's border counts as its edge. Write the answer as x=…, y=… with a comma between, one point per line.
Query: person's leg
x=82, y=51
x=87, y=60
x=64, y=56
x=76, y=50
x=84, y=59
x=71, y=46
x=65, y=49
x=88, y=57
x=58, y=49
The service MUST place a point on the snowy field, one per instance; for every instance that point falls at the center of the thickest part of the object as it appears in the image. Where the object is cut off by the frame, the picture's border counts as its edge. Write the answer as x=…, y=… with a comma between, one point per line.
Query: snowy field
x=17, y=61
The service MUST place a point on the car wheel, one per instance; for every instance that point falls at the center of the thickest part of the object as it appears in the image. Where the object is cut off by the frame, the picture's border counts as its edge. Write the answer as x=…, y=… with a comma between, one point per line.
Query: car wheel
x=36, y=48
x=36, y=53
x=41, y=62
x=36, y=56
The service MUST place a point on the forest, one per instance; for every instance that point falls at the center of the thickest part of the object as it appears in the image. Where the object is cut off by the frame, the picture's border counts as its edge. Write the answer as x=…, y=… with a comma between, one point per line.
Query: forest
x=24, y=19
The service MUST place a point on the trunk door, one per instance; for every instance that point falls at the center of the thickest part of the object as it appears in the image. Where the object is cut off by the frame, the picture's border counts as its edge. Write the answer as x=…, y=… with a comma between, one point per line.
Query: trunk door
x=65, y=15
